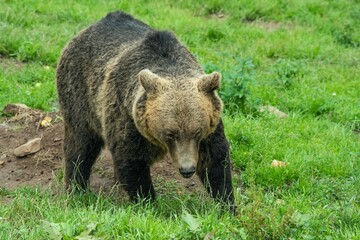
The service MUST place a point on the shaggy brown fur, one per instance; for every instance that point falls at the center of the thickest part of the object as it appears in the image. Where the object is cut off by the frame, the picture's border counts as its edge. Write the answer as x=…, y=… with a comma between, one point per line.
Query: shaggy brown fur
x=141, y=94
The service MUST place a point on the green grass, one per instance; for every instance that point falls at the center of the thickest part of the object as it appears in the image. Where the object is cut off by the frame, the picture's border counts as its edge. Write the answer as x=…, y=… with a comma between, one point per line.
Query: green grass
x=302, y=57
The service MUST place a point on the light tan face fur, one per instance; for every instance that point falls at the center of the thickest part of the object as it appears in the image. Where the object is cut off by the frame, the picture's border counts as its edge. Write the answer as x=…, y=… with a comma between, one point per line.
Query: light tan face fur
x=178, y=117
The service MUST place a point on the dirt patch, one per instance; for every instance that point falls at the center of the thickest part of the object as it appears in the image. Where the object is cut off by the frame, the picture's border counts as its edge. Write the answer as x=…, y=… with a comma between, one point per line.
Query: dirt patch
x=271, y=26
x=5, y=63
x=45, y=167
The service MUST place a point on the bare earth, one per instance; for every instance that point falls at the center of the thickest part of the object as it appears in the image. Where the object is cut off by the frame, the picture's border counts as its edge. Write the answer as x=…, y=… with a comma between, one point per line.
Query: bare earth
x=44, y=167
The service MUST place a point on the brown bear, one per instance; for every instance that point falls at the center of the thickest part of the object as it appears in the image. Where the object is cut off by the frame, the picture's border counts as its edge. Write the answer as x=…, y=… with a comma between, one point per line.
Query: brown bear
x=140, y=93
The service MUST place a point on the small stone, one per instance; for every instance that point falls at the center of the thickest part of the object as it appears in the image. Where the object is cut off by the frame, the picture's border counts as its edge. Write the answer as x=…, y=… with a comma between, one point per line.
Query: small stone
x=31, y=146
x=220, y=15
x=3, y=156
x=273, y=110
x=276, y=163
x=190, y=184
x=57, y=139
x=2, y=163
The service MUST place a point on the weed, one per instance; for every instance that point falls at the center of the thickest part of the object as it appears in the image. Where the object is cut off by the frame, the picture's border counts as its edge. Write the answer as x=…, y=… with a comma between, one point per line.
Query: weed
x=234, y=91
x=345, y=38
x=285, y=72
x=214, y=35
x=27, y=51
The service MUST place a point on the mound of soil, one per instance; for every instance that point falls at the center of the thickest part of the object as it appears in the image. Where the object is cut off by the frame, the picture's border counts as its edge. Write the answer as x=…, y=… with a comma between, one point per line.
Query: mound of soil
x=44, y=167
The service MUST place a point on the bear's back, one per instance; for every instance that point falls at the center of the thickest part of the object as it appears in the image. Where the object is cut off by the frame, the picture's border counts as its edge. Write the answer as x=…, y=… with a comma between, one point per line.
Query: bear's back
x=118, y=28
x=104, y=38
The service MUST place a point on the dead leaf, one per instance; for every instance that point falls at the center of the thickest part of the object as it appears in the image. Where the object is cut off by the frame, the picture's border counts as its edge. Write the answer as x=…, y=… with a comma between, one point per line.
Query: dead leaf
x=86, y=233
x=46, y=122
x=53, y=229
x=191, y=221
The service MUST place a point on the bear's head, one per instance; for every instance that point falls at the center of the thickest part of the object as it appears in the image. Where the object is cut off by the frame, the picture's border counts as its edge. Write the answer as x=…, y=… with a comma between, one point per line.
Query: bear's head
x=177, y=115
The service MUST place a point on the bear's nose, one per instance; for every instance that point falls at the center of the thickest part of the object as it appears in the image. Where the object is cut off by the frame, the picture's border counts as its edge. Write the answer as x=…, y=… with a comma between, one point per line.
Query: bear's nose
x=187, y=172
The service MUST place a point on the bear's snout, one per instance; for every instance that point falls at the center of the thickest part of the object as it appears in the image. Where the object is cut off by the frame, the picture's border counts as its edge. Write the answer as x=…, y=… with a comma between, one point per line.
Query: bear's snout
x=187, y=172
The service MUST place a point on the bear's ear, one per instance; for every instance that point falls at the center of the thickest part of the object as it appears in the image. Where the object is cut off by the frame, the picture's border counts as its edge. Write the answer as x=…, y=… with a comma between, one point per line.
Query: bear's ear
x=209, y=83
x=152, y=83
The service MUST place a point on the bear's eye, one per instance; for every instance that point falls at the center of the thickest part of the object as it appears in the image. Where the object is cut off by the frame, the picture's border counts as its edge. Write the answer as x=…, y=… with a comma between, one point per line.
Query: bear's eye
x=198, y=133
x=171, y=136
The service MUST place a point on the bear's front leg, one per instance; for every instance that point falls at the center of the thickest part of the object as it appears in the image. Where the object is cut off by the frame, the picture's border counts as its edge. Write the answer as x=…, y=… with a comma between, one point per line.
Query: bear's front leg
x=131, y=162
x=214, y=167
x=134, y=175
